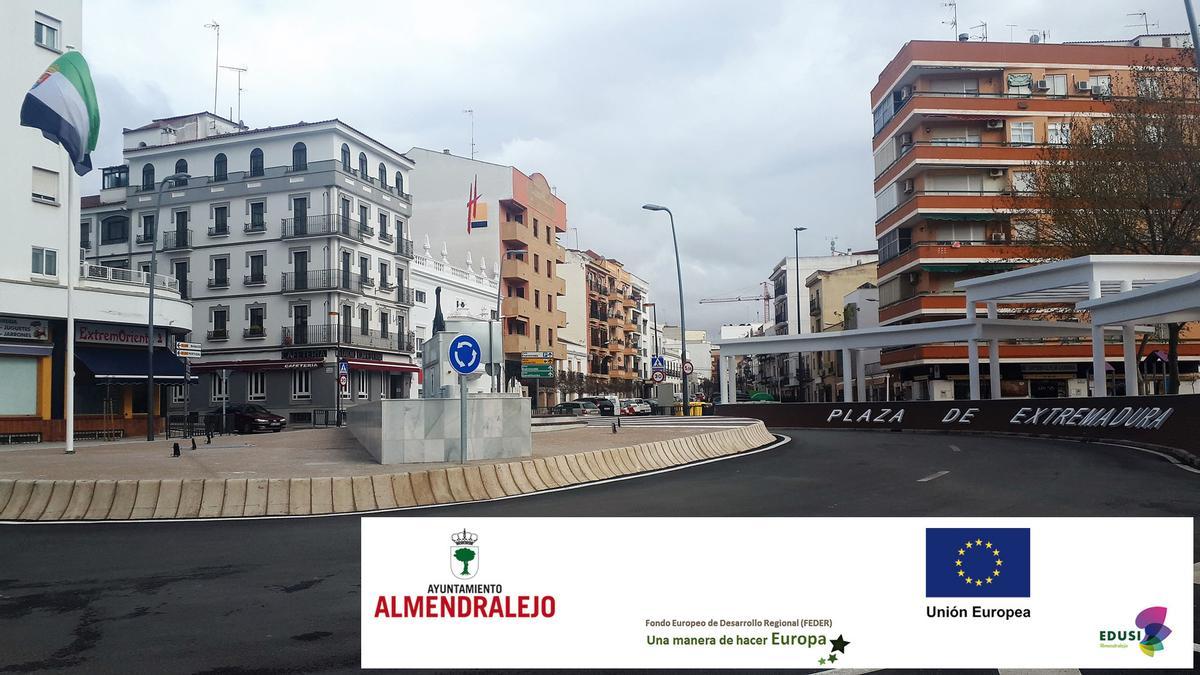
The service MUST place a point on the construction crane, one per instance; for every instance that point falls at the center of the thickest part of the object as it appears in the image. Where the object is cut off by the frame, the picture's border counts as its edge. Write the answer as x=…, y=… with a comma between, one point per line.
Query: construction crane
x=765, y=298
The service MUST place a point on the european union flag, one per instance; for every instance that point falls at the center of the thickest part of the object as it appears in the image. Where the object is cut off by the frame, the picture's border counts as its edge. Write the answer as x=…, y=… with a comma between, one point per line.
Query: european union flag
x=976, y=562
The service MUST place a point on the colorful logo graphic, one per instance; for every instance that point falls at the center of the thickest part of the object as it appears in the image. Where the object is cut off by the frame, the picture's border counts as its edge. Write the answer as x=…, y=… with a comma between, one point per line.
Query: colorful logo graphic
x=1152, y=622
x=464, y=555
x=477, y=212
x=984, y=562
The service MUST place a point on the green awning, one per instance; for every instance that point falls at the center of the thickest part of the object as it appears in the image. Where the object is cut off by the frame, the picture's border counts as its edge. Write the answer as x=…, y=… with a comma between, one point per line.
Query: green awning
x=959, y=217
x=972, y=267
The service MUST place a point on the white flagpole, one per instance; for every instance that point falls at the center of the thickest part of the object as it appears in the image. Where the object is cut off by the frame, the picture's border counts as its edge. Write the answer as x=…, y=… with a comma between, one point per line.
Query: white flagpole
x=73, y=268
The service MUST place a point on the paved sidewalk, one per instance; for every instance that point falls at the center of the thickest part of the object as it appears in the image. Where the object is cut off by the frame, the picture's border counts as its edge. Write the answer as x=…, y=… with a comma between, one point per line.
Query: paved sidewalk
x=300, y=453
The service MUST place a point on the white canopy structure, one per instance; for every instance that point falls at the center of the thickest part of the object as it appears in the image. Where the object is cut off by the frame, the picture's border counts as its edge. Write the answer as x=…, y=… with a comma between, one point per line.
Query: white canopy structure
x=1078, y=282
x=1174, y=301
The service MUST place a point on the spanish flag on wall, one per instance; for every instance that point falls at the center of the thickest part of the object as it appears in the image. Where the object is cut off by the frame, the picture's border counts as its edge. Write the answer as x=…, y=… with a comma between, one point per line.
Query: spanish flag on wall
x=477, y=215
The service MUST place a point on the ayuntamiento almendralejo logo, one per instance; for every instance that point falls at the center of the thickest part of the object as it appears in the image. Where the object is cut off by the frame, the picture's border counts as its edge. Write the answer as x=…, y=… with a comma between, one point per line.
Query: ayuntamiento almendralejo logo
x=464, y=555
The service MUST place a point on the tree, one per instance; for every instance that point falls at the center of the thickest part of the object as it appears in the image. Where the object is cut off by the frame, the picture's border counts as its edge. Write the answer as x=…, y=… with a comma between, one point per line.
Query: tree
x=464, y=556
x=1126, y=182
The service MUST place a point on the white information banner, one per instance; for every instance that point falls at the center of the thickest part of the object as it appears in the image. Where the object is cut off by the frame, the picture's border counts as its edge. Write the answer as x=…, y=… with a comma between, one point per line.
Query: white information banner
x=777, y=592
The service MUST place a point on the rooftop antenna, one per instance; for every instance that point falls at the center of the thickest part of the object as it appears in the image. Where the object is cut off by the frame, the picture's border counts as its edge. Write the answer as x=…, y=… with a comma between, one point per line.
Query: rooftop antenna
x=471, y=113
x=953, y=22
x=1011, y=26
x=833, y=246
x=1038, y=35
x=239, y=70
x=216, y=62
x=983, y=35
x=1145, y=22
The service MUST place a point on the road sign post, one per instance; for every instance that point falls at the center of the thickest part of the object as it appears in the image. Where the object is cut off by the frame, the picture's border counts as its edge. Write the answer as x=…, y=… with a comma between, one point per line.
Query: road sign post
x=465, y=358
x=343, y=380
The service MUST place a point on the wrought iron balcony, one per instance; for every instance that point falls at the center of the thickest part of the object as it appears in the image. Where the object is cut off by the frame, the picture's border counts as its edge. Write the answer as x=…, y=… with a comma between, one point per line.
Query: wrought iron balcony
x=145, y=238
x=322, y=280
x=404, y=296
x=174, y=240
x=254, y=333
x=219, y=282
x=329, y=334
x=322, y=226
x=386, y=236
x=253, y=227
x=218, y=230
x=254, y=280
x=218, y=334
x=404, y=248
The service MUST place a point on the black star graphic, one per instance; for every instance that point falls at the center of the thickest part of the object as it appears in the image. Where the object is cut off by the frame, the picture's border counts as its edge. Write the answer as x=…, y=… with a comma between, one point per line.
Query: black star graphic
x=839, y=645
x=832, y=658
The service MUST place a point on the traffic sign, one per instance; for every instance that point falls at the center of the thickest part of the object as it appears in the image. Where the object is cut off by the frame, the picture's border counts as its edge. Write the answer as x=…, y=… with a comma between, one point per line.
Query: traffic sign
x=188, y=353
x=343, y=368
x=187, y=345
x=536, y=355
x=537, y=371
x=465, y=354
x=687, y=368
x=343, y=379
x=658, y=362
x=658, y=376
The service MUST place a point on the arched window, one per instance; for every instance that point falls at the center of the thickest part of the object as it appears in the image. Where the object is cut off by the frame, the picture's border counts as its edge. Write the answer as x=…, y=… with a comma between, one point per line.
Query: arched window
x=299, y=157
x=362, y=165
x=181, y=167
x=382, y=175
x=256, y=162
x=399, y=182
x=148, y=177
x=345, y=158
x=220, y=167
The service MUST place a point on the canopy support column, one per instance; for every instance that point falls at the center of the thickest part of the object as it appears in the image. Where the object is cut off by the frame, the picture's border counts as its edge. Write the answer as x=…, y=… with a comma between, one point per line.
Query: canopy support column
x=727, y=382
x=993, y=357
x=847, y=391
x=1129, y=351
x=860, y=375
x=1099, y=377
x=972, y=354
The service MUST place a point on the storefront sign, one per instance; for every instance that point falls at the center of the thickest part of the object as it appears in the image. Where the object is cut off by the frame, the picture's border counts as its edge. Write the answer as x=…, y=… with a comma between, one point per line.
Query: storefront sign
x=14, y=328
x=304, y=354
x=1161, y=420
x=131, y=336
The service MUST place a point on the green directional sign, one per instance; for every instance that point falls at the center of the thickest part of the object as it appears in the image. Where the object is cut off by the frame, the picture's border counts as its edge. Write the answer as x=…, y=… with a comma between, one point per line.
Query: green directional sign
x=544, y=371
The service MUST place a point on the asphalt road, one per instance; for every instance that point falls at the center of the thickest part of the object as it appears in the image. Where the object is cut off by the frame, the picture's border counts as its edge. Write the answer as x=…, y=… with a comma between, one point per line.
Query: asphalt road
x=270, y=595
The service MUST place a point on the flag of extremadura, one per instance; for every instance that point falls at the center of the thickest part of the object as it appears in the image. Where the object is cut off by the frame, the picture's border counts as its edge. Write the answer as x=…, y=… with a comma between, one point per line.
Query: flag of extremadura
x=62, y=104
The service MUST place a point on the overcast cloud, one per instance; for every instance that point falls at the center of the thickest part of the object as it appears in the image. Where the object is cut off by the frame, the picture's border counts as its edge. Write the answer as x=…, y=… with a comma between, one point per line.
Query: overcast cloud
x=746, y=118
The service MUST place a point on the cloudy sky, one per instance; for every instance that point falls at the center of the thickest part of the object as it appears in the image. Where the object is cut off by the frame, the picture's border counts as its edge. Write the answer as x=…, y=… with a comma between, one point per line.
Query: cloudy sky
x=745, y=118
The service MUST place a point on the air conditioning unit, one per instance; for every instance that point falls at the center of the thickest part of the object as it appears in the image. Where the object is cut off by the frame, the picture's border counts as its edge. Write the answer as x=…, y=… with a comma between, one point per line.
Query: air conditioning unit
x=996, y=173
x=1042, y=85
x=906, y=92
x=995, y=124
x=997, y=236
x=907, y=186
x=1083, y=85
x=905, y=139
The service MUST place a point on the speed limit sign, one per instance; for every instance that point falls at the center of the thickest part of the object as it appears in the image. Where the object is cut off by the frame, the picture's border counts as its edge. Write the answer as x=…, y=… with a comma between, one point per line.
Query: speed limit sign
x=687, y=368
x=658, y=376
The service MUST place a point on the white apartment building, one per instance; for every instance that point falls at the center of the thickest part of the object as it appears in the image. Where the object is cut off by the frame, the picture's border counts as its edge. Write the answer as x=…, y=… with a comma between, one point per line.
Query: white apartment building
x=292, y=244
x=781, y=374
x=469, y=290
x=40, y=253
x=645, y=341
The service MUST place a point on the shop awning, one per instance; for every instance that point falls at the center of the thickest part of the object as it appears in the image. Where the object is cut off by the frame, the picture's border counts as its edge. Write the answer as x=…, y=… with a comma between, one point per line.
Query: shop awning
x=259, y=364
x=9, y=349
x=129, y=364
x=383, y=367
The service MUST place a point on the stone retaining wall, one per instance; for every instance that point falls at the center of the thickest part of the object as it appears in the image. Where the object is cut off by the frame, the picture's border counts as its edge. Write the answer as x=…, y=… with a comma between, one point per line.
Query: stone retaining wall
x=239, y=497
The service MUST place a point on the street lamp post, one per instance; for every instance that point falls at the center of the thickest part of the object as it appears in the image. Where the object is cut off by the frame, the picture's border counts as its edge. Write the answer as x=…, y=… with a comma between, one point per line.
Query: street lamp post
x=682, y=321
x=497, y=382
x=799, y=368
x=172, y=179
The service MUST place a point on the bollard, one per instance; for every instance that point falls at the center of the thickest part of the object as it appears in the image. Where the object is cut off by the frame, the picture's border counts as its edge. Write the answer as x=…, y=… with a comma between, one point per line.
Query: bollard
x=618, y=420
x=614, y=427
x=193, y=442
x=175, y=449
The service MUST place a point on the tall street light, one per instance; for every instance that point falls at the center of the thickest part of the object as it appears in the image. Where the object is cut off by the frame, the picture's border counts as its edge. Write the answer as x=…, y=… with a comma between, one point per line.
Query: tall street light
x=682, y=321
x=497, y=383
x=172, y=179
x=799, y=368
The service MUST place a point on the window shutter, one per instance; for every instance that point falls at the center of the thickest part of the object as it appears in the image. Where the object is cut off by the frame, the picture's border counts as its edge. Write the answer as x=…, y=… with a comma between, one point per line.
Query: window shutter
x=45, y=184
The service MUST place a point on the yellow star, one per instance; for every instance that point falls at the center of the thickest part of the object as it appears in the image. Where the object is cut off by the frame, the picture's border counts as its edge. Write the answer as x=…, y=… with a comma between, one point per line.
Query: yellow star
x=961, y=552
x=978, y=582
x=989, y=580
x=996, y=552
x=995, y=573
x=969, y=580
x=978, y=542
x=960, y=573
x=989, y=544
x=999, y=563
x=958, y=563
x=968, y=544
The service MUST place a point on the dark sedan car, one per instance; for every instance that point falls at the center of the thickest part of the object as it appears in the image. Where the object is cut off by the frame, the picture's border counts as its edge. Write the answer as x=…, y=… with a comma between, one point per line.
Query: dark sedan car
x=249, y=417
x=605, y=405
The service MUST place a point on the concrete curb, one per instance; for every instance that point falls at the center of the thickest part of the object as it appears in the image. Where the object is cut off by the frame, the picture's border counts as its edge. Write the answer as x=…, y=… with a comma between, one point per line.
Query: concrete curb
x=53, y=500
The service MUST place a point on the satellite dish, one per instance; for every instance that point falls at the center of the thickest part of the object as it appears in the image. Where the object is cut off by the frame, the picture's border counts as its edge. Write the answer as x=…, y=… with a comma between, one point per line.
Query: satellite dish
x=1035, y=38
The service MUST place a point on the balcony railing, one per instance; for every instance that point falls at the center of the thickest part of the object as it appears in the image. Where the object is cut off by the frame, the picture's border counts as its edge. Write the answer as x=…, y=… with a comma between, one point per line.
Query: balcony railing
x=324, y=225
x=254, y=333
x=123, y=276
x=322, y=280
x=219, y=282
x=404, y=296
x=85, y=244
x=254, y=280
x=331, y=334
x=177, y=239
x=218, y=230
x=404, y=247
x=218, y=334
x=386, y=236
x=145, y=238
x=253, y=227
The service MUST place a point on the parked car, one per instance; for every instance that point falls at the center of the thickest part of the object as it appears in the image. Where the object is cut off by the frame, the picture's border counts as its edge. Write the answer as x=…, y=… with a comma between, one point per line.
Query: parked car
x=604, y=404
x=582, y=408
x=250, y=417
x=635, y=406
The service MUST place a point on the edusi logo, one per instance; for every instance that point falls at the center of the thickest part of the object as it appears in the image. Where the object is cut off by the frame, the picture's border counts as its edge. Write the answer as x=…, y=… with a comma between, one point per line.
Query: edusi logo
x=1150, y=633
